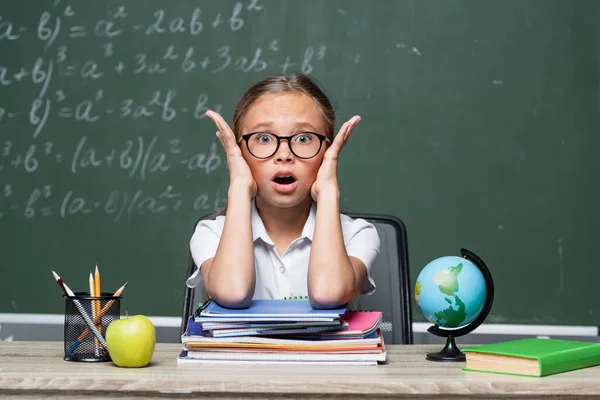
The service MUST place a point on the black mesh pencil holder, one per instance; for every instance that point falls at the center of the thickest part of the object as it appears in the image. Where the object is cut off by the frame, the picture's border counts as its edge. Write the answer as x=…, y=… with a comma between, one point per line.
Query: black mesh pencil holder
x=83, y=343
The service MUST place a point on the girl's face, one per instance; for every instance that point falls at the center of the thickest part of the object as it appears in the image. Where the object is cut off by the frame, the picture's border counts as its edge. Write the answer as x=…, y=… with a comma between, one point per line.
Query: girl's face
x=283, y=179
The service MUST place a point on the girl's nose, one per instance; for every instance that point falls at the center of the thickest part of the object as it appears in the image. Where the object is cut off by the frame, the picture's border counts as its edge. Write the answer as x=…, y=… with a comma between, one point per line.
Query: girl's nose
x=284, y=154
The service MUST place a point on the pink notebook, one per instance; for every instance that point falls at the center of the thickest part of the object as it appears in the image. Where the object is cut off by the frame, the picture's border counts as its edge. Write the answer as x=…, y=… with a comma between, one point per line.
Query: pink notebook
x=361, y=324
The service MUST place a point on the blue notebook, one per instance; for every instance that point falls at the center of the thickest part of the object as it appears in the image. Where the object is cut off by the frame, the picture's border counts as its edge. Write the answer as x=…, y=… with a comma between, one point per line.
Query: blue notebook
x=298, y=309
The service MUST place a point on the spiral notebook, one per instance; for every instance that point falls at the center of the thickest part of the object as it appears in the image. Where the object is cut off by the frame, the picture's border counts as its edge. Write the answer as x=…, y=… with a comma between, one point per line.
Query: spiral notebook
x=278, y=309
x=192, y=341
x=361, y=324
x=184, y=359
x=272, y=331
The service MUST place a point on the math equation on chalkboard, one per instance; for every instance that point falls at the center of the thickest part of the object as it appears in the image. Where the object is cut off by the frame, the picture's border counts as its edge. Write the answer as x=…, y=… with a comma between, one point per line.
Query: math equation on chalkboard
x=102, y=105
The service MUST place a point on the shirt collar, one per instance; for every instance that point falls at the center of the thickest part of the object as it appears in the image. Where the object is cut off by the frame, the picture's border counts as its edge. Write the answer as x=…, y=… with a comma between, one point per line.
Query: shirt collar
x=259, y=231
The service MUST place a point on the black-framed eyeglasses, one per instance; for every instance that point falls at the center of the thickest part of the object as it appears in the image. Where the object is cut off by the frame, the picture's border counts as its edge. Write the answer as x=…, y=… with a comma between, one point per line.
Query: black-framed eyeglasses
x=303, y=145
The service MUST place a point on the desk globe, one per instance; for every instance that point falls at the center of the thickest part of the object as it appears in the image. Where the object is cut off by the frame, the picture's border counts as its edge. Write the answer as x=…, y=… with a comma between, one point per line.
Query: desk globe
x=455, y=294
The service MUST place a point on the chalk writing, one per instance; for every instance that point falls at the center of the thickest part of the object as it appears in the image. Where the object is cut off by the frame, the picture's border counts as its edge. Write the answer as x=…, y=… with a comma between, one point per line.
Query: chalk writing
x=103, y=108
x=43, y=202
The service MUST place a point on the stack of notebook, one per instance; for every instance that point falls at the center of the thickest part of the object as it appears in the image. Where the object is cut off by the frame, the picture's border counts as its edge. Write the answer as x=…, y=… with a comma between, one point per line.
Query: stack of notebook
x=282, y=332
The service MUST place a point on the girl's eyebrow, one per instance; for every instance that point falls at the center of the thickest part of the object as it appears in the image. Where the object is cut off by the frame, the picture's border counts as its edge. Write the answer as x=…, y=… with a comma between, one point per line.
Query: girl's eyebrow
x=306, y=126
x=268, y=125
x=261, y=126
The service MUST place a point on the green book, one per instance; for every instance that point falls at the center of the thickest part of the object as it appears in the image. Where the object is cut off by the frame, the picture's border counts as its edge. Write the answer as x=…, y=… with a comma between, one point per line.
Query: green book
x=532, y=357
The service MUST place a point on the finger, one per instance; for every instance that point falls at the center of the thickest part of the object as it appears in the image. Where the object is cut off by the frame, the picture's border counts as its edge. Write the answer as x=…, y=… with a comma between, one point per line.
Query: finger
x=339, y=138
x=219, y=122
x=343, y=135
x=228, y=136
x=217, y=118
x=230, y=151
x=352, y=122
x=220, y=137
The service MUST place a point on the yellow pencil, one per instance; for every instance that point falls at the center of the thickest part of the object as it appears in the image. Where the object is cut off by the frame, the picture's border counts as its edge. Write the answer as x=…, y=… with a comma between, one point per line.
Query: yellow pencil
x=98, y=294
x=97, y=282
x=93, y=307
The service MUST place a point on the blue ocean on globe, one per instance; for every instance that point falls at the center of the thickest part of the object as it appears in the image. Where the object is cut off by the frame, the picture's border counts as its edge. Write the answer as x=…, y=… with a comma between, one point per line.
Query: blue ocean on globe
x=450, y=291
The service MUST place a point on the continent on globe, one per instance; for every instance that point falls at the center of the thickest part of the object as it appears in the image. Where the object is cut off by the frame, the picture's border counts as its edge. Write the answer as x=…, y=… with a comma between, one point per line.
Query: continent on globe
x=417, y=291
x=451, y=317
x=447, y=279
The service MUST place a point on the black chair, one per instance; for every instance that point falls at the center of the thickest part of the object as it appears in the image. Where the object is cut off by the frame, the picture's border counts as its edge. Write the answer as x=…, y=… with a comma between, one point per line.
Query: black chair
x=390, y=272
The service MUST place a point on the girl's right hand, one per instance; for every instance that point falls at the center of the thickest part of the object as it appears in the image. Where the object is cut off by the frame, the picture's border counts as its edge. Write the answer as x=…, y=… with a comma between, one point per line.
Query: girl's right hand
x=240, y=175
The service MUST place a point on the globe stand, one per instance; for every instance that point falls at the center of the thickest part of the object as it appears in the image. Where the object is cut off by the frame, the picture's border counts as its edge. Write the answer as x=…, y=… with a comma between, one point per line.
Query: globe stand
x=451, y=352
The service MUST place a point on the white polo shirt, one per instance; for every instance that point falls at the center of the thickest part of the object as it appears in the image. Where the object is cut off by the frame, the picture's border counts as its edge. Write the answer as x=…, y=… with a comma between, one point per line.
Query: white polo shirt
x=285, y=275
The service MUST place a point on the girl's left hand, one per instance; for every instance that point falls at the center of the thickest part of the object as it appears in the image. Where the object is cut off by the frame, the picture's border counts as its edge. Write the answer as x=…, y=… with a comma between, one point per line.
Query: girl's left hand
x=327, y=176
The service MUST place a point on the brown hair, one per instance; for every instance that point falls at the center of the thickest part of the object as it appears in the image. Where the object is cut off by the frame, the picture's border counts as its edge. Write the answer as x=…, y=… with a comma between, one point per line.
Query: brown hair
x=297, y=83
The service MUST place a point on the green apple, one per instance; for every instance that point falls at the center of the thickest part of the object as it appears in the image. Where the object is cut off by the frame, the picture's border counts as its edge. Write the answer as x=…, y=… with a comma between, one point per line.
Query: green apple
x=131, y=341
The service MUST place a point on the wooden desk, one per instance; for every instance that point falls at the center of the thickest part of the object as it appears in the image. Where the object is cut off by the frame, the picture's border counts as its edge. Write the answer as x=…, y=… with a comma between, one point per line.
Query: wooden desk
x=37, y=370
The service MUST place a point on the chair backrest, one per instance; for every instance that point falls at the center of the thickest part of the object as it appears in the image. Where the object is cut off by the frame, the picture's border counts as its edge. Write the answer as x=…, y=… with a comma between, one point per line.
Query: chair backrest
x=192, y=296
x=391, y=275
x=390, y=272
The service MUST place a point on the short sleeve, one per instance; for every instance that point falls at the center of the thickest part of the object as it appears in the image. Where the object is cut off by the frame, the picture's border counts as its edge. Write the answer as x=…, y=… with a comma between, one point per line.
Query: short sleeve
x=362, y=241
x=203, y=245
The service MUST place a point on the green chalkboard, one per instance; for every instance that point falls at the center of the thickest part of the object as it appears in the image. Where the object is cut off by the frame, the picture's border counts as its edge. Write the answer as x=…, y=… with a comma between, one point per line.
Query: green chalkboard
x=481, y=126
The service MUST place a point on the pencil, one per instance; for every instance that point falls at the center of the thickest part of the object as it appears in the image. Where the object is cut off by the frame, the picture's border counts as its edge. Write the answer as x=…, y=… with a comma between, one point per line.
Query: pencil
x=80, y=308
x=93, y=308
x=98, y=316
x=92, y=286
x=97, y=284
x=98, y=293
x=60, y=282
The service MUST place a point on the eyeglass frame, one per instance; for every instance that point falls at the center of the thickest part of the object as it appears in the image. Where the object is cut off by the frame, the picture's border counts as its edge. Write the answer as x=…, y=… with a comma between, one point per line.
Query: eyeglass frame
x=247, y=136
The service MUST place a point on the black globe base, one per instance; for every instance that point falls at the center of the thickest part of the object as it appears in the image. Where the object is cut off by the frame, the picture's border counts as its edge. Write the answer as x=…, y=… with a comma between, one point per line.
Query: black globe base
x=450, y=352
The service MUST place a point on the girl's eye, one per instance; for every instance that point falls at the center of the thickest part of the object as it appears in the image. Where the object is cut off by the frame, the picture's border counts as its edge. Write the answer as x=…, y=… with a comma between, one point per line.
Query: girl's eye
x=303, y=138
x=264, y=138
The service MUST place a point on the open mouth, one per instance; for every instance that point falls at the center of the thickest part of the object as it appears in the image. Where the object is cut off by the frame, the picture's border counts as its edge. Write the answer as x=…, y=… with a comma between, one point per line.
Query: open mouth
x=284, y=179
x=284, y=182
